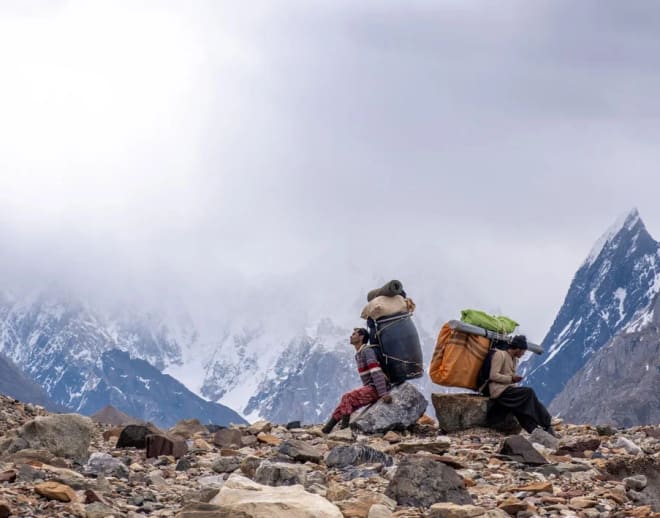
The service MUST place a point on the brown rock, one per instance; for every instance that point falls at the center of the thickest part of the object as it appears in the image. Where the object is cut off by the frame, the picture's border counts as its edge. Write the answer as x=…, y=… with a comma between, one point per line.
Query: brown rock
x=392, y=437
x=581, y=503
x=30, y=456
x=577, y=448
x=8, y=476
x=228, y=438
x=267, y=438
x=249, y=440
x=449, y=510
x=336, y=492
x=112, y=433
x=92, y=496
x=201, y=444
x=437, y=447
x=536, y=487
x=553, y=500
x=359, y=506
x=158, y=445
x=426, y=420
x=5, y=510
x=187, y=428
x=259, y=427
x=512, y=506
x=56, y=491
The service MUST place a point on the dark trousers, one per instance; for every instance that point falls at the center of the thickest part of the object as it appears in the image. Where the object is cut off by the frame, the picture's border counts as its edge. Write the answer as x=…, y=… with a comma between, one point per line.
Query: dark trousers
x=525, y=406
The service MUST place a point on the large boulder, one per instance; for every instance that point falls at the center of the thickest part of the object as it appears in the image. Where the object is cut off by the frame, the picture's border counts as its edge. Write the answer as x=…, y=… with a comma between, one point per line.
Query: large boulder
x=63, y=435
x=242, y=497
x=135, y=435
x=407, y=406
x=421, y=481
x=157, y=445
x=457, y=412
x=187, y=428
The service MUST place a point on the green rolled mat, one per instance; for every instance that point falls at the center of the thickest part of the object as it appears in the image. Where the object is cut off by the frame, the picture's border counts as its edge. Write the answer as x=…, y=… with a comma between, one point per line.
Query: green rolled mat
x=389, y=289
x=503, y=325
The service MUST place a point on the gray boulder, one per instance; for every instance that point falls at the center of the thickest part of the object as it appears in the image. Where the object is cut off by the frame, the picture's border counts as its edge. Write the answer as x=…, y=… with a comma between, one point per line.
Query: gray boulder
x=63, y=435
x=105, y=464
x=227, y=464
x=540, y=436
x=421, y=481
x=407, y=406
x=300, y=451
x=355, y=454
x=281, y=474
x=520, y=449
x=456, y=412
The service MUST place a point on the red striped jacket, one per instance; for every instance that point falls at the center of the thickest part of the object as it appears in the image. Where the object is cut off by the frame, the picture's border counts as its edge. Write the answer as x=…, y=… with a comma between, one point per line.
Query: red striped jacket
x=370, y=371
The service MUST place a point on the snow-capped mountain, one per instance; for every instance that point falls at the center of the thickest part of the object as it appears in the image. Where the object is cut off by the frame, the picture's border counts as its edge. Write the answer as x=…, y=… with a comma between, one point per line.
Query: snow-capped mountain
x=620, y=384
x=74, y=352
x=612, y=291
x=17, y=385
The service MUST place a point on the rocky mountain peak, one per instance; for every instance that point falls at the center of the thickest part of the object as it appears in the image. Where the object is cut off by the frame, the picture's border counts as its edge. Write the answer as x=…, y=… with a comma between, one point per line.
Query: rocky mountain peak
x=613, y=289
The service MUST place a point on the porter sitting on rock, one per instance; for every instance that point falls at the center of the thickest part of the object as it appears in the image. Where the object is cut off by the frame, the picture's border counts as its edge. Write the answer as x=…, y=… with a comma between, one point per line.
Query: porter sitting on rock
x=521, y=401
x=374, y=382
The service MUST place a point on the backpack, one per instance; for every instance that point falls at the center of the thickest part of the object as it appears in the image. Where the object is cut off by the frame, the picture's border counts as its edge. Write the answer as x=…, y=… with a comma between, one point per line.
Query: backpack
x=484, y=371
x=457, y=358
x=396, y=344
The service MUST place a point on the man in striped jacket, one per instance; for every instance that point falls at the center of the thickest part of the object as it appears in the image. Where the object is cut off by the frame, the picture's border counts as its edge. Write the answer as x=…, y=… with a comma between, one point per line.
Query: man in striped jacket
x=374, y=382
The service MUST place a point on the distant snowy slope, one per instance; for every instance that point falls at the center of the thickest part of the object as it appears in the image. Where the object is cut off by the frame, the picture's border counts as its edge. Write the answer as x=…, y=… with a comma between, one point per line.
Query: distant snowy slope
x=67, y=347
x=613, y=289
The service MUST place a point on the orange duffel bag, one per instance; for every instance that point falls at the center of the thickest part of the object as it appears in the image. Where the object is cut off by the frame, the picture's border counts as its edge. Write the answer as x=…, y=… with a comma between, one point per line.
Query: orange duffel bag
x=457, y=358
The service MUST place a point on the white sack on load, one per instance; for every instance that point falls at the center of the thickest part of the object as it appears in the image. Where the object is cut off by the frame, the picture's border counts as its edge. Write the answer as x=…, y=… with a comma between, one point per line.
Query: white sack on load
x=382, y=306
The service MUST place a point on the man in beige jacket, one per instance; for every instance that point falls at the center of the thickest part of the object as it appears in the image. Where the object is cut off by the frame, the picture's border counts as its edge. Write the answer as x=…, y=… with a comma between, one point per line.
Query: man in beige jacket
x=507, y=397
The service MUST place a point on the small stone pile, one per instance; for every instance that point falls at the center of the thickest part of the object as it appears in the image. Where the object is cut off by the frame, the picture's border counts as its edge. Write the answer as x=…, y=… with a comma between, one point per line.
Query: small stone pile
x=70, y=466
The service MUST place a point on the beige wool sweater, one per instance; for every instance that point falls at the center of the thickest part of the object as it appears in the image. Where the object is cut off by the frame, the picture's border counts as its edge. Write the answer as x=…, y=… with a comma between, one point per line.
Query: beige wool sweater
x=502, y=370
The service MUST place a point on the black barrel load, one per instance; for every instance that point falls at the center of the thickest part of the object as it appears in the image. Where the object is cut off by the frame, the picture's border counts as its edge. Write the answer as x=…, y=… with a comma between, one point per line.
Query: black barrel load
x=399, y=350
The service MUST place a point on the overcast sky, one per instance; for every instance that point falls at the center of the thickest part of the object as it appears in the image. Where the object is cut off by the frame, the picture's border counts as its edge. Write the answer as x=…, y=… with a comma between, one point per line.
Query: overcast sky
x=210, y=151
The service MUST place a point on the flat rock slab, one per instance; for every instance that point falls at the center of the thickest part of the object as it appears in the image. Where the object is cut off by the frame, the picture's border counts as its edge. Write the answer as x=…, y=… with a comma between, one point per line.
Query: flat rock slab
x=355, y=454
x=520, y=449
x=437, y=447
x=300, y=451
x=408, y=405
x=449, y=510
x=244, y=497
x=456, y=412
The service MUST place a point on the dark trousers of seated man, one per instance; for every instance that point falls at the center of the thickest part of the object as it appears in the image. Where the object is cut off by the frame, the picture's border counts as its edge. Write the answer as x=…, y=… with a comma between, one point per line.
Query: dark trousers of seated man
x=523, y=404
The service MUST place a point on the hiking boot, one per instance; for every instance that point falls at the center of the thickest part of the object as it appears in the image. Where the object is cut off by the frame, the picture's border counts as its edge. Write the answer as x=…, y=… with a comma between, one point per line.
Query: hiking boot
x=548, y=429
x=345, y=421
x=329, y=425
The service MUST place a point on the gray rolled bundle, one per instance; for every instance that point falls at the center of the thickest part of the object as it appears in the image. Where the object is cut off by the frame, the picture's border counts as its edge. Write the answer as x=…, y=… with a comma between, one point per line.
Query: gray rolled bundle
x=389, y=289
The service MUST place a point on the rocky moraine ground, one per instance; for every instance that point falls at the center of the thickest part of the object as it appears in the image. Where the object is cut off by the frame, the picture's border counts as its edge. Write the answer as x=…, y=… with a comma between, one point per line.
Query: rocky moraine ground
x=66, y=465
